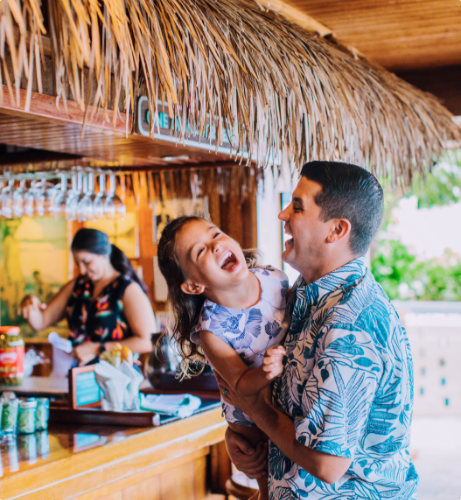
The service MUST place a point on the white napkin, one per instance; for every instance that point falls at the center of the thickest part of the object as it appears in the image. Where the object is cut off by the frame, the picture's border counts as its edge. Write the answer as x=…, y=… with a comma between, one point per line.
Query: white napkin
x=131, y=396
x=113, y=382
x=60, y=342
x=179, y=405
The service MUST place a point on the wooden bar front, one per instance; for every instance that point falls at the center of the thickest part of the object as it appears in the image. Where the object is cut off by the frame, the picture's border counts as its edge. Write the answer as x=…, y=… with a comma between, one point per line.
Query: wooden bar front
x=176, y=461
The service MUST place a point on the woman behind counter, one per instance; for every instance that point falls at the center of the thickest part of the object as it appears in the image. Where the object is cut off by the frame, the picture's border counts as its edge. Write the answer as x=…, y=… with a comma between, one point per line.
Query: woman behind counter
x=105, y=304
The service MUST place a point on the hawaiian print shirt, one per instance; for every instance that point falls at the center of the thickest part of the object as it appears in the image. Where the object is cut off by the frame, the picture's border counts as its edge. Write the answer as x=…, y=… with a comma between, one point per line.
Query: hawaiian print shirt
x=98, y=319
x=249, y=331
x=348, y=386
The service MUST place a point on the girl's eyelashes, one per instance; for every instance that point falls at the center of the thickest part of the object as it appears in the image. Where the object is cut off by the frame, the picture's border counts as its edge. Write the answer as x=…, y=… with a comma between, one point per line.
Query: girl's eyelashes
x=217, y=234
x=199, y=252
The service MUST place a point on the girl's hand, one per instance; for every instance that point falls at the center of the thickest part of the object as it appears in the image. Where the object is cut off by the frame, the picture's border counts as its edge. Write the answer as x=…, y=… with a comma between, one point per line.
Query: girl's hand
x=273, y=362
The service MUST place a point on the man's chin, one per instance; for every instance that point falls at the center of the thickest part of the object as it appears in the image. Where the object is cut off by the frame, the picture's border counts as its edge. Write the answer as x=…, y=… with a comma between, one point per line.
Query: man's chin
x=287, y=257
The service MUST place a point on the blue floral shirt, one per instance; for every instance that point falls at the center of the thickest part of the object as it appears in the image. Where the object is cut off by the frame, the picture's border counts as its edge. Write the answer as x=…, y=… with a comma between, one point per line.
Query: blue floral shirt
x=249, y=331
x=348, y=386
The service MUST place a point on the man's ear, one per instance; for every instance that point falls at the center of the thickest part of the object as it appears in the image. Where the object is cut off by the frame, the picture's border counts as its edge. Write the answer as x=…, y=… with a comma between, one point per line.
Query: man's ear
x=192, y=288
x=340, y=229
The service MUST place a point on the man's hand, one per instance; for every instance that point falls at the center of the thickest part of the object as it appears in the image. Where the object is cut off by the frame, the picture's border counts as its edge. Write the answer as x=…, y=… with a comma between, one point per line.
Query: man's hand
x=248, y=459
x=248, y=404
x=273, y=362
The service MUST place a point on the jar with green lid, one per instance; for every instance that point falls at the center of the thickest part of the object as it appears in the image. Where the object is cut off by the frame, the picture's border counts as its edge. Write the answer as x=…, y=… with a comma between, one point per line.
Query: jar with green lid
x=42, y=414
x=26, y=416
x=9, y=415
x=11, y=355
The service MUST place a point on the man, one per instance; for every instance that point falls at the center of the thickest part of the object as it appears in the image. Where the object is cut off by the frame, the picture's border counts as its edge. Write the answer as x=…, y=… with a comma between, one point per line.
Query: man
x=341, y=413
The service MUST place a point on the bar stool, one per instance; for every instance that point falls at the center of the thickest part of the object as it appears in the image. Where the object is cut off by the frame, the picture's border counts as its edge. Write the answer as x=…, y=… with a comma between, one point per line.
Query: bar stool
x=239, y=486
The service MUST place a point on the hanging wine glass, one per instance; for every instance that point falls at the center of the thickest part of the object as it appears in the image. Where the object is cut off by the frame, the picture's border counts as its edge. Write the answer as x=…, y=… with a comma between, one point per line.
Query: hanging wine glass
x=100, y=198
x=7, y=199
x=18, y=198
x=113, y=206
x=44, y=194
x=60, y=200
x=29, y=199
x=73, y=199
x=85, y=204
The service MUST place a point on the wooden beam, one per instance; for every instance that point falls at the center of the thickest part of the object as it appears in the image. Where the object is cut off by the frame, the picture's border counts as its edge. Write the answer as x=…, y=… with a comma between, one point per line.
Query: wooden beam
x=295, y=16
x=44, y=107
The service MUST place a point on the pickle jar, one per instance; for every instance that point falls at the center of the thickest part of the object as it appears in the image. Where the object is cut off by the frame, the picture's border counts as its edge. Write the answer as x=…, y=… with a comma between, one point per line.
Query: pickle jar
x=26, y=416
x=9, y=415
x=42, y=414
x=11, y=356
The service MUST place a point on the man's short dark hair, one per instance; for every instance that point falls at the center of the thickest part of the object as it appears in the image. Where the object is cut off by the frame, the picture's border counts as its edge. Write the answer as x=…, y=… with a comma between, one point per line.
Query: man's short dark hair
x=348, y=192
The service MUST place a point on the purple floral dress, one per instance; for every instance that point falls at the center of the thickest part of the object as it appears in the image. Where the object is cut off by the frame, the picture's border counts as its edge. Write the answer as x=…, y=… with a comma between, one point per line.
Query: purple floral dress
x=249, y=331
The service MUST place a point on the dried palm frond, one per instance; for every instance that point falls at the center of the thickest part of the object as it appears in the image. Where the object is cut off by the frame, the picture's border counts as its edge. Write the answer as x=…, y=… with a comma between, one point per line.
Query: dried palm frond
x=279, y=92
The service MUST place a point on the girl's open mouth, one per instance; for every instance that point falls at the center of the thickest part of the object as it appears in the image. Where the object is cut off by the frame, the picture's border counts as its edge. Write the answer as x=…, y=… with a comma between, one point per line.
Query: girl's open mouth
x=228, y=261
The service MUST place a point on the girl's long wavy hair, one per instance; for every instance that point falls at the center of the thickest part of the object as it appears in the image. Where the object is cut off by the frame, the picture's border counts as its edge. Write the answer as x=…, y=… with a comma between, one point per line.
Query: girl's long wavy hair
x=185, y=307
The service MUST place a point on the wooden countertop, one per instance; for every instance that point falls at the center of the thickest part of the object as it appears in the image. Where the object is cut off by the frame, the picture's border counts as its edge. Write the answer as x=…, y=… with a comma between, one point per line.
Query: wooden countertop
x=72, y=461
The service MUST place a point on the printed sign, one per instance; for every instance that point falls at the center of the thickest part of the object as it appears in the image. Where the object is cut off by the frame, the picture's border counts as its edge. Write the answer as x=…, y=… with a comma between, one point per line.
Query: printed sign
x=83, y=388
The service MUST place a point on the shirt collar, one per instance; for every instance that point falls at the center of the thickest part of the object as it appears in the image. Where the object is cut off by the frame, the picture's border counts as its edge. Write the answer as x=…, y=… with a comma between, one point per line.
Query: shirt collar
x=346, y=275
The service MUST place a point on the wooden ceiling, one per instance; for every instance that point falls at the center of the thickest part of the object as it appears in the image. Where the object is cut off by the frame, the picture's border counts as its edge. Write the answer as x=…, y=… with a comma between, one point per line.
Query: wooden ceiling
x=412, y=37
x=398, y=34
x=46, y=128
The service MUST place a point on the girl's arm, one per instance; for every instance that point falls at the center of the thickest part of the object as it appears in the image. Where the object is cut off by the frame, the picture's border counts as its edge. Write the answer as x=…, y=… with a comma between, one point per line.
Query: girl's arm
x=230, y=366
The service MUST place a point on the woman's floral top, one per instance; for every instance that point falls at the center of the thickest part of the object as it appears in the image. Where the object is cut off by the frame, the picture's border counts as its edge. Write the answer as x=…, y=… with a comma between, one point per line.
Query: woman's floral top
x=99, y=319
x=249, y=331
x=348, y=386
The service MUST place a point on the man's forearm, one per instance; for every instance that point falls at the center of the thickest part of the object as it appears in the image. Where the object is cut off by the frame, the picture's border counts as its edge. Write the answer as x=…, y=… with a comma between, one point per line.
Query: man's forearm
x=252, y=382
x=281, y=431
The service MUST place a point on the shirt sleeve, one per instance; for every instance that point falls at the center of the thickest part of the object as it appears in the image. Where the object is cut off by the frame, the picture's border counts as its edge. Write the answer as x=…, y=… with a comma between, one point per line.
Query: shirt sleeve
x=337, y=396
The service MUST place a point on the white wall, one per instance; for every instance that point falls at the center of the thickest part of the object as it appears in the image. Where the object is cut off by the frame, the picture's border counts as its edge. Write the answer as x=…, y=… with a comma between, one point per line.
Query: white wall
x=269, y=227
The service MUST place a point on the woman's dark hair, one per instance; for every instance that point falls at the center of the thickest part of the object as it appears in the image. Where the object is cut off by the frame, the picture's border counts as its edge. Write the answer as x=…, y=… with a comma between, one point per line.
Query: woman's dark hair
x=97, y=242
x=185, y=307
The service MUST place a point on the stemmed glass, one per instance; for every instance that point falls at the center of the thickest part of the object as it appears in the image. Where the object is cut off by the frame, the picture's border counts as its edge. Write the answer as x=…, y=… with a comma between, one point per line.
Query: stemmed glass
x=29, y=199
x=7, y=199
x=18, y=198
x=85, y=204
x=44, y=194
x=60, y=200
x=73, y=195
x=113, y=206
x=100, y=198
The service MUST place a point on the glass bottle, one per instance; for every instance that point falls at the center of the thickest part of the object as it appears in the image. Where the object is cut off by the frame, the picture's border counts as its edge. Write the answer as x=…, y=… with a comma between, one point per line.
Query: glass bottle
x=26, y=416
x=11, y=355
x=42, y=414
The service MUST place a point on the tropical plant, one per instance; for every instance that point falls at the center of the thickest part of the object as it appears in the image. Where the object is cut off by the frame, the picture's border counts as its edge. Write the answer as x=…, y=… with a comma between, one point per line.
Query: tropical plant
x=396, y=269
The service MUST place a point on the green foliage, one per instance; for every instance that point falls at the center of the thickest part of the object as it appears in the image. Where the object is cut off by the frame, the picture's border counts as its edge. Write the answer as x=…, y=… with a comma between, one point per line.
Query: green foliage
x=441, y=187
x=403, y=277
x=397, y=270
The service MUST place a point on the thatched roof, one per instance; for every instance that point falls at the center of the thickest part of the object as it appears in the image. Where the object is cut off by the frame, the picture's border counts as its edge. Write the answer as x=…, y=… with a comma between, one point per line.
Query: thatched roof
x=278, y=90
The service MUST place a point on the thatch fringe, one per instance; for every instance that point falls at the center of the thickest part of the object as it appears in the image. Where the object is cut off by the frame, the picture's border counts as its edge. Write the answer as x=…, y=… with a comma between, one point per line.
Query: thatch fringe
x=278, y=91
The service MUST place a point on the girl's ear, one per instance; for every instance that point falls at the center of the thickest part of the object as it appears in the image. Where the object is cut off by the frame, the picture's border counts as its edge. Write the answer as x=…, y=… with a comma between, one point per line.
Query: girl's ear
x=192, y=288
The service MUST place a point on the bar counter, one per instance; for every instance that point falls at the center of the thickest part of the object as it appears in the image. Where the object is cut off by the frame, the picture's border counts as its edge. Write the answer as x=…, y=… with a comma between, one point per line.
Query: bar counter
x=175, y=461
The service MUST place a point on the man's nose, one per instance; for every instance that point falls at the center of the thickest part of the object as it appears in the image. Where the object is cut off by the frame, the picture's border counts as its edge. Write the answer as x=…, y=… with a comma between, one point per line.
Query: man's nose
x=284, y=214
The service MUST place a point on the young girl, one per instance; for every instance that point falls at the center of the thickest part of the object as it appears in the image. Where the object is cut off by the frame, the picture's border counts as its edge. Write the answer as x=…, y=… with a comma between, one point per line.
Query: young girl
x=236, y=314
